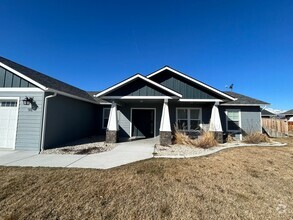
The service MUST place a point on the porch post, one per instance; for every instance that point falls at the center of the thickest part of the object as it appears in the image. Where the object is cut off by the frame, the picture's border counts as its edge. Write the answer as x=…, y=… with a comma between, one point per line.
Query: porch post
x=165, y=127
x=112, y=127
x=215, y=123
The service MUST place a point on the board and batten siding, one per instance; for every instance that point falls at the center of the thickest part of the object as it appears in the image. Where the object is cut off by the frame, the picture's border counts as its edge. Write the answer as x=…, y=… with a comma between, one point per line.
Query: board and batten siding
x=185, y=87
x=29, y=123
x=139, y=87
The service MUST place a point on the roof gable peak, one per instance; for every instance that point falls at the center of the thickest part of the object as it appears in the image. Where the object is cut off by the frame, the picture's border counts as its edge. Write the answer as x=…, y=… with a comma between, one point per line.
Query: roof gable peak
x=191, y=80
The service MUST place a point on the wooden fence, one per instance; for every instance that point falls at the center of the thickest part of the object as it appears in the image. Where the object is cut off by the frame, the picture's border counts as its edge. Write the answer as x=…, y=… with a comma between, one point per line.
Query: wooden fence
x=276, y=127
x=290, y=128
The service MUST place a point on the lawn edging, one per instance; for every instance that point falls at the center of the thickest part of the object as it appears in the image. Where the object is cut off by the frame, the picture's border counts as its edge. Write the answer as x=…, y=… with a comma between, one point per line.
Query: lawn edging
x=214, y=150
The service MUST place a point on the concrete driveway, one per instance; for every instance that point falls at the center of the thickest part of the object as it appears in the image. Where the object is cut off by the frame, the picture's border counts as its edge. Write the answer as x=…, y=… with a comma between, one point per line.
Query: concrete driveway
x=124, y=153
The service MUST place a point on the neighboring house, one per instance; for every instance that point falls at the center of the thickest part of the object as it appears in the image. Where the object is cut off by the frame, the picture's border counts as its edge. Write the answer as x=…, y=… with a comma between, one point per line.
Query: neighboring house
x=267, y=114
x=56, y=112
x=39, y=112
x=289, y=115
x=152, y=105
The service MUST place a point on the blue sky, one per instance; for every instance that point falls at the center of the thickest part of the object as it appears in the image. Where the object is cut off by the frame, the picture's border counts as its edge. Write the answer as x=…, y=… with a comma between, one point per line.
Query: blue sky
x=94, y=44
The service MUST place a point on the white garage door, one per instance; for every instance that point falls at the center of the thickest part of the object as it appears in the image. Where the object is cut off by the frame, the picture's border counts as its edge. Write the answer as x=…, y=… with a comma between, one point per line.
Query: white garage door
x=8, y=123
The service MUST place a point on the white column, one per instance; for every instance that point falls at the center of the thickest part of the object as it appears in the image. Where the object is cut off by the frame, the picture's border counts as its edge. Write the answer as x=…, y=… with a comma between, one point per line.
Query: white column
x=113, y=120
x=215, y=121
x=165, y=119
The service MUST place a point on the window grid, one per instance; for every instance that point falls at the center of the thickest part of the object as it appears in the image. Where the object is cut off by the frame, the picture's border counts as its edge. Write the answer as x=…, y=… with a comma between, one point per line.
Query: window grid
x=191, y=121
x=8, y=104
x=233, y=120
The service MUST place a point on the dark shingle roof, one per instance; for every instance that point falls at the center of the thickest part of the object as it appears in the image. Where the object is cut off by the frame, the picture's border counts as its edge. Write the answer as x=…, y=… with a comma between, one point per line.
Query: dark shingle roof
x=267, y=113
x=290, y=112
x=47, y=81
x=244, y=100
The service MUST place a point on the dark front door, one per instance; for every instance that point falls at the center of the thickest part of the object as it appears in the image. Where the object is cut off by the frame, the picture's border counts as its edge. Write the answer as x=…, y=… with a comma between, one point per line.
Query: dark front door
x=143, y=122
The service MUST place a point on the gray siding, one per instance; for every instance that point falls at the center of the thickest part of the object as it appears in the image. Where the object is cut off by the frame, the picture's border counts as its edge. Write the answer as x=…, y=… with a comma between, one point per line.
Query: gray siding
x=250, y=118
x=70, y=119
x=139, y=87
x=186, y=88
x=124, y=115
x=29, y=125
x=8, y=80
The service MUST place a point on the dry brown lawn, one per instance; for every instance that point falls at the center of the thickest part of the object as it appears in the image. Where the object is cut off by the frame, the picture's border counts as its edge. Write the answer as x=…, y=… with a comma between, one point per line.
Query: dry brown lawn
x=243, y=183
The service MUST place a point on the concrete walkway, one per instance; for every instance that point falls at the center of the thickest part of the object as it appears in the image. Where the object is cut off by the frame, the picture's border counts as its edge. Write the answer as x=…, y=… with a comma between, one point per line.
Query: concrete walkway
x=124, y=153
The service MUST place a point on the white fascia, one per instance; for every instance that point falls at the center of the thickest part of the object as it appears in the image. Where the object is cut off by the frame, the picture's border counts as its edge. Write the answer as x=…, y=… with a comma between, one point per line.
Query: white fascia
x=23, y=76
x=193, y=80
x=38, y=85
x=200, y=100
x=131, y=79
x=139, y=97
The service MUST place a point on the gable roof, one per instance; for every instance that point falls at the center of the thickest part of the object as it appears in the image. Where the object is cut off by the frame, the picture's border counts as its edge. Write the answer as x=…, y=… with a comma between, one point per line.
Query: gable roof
x=137, y=76
x=265, y=112
x=43, y=81
x=227, y=96
x=244, y=100
x=290, y=112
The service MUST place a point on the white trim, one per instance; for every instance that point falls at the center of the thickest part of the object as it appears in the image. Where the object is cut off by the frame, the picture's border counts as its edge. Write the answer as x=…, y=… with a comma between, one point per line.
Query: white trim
x=71, y=96
x=260, y=119
x=155, y=122
x=188, y=116
x=131, y=79
x=45, y=120
x=139, y=97
x=38, y=85
x=242, y=104
x=193, y=80
x=200, y=100
x=240, y=124
x=22, y=89
x=103, y=118
x=17, y=113
x=23, y=76
x=165, y=124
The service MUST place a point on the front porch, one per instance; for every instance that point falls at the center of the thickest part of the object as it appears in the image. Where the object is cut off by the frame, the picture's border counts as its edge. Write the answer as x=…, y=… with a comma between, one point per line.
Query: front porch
x=148, y=118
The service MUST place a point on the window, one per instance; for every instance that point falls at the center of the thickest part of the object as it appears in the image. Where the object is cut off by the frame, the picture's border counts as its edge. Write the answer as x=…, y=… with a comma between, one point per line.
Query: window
x=8, y=104
x=233, y=119
x=188, y=118
x=106, y=113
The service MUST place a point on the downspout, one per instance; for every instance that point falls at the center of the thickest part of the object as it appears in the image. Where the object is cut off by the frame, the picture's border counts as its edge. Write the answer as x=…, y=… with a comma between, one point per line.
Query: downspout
x=45, y=119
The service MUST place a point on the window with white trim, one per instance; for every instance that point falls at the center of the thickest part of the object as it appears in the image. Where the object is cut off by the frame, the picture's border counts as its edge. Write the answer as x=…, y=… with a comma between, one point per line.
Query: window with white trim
x=8, y=104
x=233, y=119
x=106, y=113
x=188, y=119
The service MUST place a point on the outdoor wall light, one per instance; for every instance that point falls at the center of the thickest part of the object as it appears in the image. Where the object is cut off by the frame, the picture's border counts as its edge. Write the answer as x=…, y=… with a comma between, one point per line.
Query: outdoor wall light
x=28, y=100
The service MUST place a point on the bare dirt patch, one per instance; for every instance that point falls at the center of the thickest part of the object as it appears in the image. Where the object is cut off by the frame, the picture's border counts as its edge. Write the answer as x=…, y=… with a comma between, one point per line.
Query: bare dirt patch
x=241, y=183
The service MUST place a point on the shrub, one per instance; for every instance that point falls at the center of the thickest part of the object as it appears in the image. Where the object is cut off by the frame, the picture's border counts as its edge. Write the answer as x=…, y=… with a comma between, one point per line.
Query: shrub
x=206, y=140
x=256, y=138
x=230, y=138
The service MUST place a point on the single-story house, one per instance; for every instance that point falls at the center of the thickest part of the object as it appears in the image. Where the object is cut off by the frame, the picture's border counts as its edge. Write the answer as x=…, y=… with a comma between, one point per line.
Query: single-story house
x=39, y=112
x=148, y=106
x=289, y=115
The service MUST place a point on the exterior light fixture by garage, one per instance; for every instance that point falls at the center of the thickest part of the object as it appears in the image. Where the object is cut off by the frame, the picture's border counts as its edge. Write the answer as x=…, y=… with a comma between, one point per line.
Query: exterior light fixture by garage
x=28, y=100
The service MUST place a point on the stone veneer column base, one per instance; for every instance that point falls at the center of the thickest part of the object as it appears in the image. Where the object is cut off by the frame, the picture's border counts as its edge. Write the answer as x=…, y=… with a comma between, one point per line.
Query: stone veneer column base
x=219, y=136
x=165, y=138
x=111, y=136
